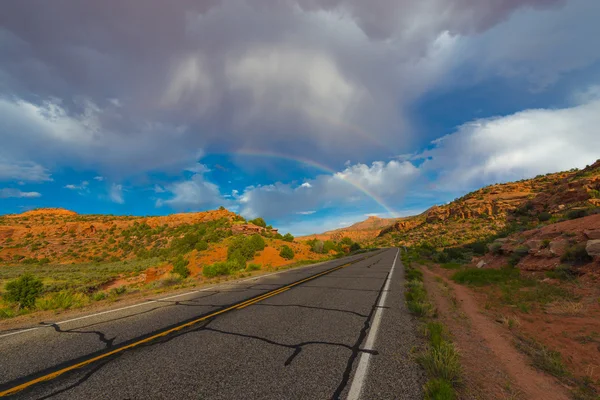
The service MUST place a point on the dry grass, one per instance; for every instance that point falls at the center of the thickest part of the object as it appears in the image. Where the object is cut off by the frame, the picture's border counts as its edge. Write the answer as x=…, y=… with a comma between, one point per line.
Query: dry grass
x=573, y=308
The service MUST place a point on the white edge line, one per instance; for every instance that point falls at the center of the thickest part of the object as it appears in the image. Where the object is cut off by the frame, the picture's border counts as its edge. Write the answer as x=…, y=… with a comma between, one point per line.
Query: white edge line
x=145, y=303
x=363, y=364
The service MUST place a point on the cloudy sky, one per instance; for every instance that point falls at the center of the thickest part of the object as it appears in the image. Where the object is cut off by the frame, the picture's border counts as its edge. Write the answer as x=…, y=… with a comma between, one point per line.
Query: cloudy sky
x=309, y=113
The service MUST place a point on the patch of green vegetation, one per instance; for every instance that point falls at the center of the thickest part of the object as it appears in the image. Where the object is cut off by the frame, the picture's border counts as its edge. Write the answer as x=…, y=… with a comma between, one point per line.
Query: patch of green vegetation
x=288, y=237
x=451, y=265
x=576, y=254
x=24, y=291
x=220, y=269
x=439, y=389
x=482, y=277
x=180, y=267
x=258, y=222
x=253, y=267
x=81, y=277
x=286, y=252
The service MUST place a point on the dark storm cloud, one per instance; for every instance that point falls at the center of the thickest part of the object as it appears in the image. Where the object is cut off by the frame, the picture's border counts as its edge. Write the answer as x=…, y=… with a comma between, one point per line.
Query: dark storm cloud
x=131, y=86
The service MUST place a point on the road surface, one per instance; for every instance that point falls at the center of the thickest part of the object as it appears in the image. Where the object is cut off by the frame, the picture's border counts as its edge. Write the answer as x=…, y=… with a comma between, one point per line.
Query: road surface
x=334, y=330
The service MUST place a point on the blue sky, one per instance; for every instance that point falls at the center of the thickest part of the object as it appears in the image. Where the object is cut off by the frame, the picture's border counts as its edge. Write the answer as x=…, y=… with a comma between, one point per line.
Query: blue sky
x=311, y=114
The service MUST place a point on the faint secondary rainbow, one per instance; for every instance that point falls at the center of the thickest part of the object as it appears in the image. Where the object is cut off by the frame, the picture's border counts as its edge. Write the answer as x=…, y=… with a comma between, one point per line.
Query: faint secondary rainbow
x=316, y=165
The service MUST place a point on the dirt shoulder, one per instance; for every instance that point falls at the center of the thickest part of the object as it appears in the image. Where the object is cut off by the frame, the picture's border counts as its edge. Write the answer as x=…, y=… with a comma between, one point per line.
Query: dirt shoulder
x=493, y=367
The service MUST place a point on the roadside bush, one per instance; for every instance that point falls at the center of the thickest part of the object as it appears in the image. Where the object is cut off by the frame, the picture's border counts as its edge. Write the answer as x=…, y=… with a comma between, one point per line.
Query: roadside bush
x=576, y=254
x=24, y=291
x=253, y=267
x=354, y=247
x=219, y=269
x=180, y=267
x=286, y=252
x=288, y=237
x=544, y=216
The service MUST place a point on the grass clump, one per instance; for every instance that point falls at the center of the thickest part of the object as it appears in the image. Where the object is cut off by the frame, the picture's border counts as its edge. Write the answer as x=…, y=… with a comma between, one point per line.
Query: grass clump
x=543, y=358
x=62, y=300
x=576, y=254
x=442, y=361
x=439, y=389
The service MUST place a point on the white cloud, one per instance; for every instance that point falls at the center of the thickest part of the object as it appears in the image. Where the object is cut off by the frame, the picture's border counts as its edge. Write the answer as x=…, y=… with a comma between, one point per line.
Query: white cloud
x=357, y=182
x=116, y=193
x=305, y=212
x=515, y=146
x=82, y=186
x=193, y=194
x=99, y=178
x=23, y=171
x=8, y=192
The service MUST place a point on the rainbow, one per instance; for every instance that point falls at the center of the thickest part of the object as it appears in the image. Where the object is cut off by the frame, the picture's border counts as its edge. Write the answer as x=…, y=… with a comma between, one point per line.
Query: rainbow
x=316, y=165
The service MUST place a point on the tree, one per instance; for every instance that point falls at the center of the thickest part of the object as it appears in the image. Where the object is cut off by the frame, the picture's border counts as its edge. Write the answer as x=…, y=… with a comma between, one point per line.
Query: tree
x=288, y=237
x=347, y=241
x=286, y=252
x=24, y=290
x=259, y=222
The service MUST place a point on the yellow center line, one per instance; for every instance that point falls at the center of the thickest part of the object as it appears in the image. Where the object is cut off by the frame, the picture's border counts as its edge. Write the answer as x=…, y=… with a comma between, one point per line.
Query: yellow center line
x=238, y=306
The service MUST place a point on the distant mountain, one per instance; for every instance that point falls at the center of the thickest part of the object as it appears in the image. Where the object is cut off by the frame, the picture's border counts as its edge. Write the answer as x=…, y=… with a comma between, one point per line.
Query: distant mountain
x=361, y=231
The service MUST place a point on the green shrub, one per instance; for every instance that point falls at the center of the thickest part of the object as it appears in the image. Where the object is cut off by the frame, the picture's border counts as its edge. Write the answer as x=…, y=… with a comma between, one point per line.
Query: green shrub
x=439, y=389
x=201, y=245
x=257, y=243
x=286, y=252
x=562, y=272
x=220, y=268
x=24, y=290
x=576, y=254
x=522, y=251
x=253, y=267
x=579, y=213
x=180, y=267
x=481, y=277
x=259, y=222
x=496, y=248
x=479, y=248
x=355, y=247
x=544, y=216
x=288, y=237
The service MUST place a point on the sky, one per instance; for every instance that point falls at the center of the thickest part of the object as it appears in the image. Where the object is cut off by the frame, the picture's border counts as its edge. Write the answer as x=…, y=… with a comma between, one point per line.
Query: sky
x=312, y=114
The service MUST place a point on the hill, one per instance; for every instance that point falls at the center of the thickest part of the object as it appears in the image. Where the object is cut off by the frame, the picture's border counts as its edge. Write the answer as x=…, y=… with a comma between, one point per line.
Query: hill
x=362, y=231
x=487, y=212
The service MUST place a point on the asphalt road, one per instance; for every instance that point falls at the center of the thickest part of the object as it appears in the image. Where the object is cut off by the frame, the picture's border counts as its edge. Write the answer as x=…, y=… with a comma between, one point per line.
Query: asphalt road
x=334, y=330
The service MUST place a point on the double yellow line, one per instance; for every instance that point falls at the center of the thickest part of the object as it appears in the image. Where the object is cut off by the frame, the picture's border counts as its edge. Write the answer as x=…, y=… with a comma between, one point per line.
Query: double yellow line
x=237, y=306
